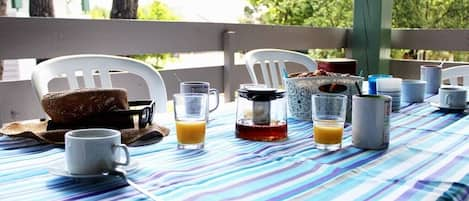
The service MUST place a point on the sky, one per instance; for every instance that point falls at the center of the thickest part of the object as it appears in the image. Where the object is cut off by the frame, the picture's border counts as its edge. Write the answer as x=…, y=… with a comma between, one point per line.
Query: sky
x=228, y=11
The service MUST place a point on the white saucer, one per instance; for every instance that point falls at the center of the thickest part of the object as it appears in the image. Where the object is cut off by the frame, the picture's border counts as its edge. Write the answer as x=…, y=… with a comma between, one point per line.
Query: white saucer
x=58, y=168
x=435, y=104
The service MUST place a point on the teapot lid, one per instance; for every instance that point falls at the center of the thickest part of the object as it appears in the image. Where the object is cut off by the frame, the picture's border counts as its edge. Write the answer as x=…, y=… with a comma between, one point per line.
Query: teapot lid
x=261, y=94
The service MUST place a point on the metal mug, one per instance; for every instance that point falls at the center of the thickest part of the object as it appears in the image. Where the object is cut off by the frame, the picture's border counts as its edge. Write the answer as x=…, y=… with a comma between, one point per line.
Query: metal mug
x=370, y=121
x=432, y=75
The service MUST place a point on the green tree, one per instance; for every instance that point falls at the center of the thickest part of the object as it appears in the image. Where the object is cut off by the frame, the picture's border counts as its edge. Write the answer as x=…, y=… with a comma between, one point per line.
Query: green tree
x=444, y=14
x=99, y=13
x=439, y=14
x=156, y=11
x=316, y=13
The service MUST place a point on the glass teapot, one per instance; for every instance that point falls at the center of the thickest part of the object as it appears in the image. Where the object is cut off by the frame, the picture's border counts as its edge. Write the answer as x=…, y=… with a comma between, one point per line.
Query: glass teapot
x=261, y=114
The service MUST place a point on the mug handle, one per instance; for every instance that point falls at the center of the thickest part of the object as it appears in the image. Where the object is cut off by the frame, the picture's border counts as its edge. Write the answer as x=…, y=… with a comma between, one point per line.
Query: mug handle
x=214, y=91
x=126, y=151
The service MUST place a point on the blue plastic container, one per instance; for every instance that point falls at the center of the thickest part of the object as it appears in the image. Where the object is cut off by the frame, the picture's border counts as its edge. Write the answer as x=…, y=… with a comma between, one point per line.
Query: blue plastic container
x=372, y=81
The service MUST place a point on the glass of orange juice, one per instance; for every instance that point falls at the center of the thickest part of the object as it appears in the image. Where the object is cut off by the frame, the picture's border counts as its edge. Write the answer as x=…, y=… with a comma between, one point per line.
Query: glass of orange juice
x=329, y=113
x=190, y=112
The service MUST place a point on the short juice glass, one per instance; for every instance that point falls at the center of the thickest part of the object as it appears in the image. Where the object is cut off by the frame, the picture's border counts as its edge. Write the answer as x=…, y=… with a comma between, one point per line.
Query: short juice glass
x=190, y=111
x=328, y=113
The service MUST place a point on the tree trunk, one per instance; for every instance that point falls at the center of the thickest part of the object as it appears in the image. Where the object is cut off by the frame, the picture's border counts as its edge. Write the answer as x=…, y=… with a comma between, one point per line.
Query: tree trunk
x=41, y=8
x=3, y=7
x=124, y=9
x=3, y=12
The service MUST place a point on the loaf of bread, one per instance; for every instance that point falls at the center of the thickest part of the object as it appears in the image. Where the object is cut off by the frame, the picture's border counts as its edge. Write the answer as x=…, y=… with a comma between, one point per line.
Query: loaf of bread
x=75, y=105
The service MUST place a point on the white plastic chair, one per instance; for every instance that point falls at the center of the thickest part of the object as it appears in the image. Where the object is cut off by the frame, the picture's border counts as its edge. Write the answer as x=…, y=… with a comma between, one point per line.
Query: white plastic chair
x=275, y=59
x=454, y=72
x=88, y=64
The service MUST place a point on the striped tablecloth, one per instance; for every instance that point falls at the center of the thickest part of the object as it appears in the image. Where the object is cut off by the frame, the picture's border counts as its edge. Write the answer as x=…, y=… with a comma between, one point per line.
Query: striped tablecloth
x=428, y=159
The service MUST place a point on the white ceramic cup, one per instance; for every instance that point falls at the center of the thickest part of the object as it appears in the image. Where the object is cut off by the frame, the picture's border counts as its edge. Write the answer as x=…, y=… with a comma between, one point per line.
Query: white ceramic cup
x=452, y=97
x=94, y=151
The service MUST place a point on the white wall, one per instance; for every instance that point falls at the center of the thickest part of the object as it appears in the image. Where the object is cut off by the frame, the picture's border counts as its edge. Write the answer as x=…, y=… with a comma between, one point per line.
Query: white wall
x=22, y=12
x=61, y=9
x=18, y=69
x=21, y=69
x=70, y=10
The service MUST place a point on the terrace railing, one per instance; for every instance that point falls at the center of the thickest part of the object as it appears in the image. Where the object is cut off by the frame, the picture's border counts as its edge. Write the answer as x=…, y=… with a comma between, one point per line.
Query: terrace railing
x=46, y=38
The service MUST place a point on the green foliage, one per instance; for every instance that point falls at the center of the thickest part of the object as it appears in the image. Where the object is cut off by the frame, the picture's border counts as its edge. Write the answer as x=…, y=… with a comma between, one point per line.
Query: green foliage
x=99, y=13
x=442, y=14
x=317, y=13
x=445, y=14
x=339, y=13
x=156, y=60
x=329, y=53
x=155, y=11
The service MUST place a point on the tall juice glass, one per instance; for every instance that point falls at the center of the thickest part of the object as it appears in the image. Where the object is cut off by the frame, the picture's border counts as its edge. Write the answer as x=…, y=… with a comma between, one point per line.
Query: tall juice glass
x=190, y=111
x=329, y=113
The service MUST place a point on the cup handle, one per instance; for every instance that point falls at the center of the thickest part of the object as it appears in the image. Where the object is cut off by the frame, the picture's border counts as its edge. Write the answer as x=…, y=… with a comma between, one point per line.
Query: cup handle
x=214, y=91
x=126, y=151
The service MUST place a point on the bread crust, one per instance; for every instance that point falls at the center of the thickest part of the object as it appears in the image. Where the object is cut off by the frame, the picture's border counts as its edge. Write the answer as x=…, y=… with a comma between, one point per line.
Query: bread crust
x=75, y=105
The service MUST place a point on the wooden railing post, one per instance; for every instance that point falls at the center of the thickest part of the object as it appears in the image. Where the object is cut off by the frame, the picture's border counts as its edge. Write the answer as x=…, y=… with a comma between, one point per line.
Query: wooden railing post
x=371, y=37
x=229, y=64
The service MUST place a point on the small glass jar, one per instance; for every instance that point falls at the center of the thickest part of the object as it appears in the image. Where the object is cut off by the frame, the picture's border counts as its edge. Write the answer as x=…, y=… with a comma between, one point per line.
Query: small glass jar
x=261, y=114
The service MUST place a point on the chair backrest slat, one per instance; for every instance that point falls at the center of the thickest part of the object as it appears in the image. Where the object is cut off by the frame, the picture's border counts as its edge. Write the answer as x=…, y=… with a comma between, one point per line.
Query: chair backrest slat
x=283, y=69
x=265, y=73
x=88, y=78
x=465, y=81
x=72, y=80
x=105, y=78
x=453, y=73
x=274, y=73
x=453, y=80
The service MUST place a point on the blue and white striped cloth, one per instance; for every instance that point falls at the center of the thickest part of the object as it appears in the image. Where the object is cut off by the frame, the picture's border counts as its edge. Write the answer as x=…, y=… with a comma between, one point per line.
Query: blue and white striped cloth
x=428, y=159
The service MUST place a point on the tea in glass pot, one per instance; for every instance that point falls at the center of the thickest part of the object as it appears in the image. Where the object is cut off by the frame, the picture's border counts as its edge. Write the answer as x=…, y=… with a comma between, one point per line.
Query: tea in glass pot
x=261, y=114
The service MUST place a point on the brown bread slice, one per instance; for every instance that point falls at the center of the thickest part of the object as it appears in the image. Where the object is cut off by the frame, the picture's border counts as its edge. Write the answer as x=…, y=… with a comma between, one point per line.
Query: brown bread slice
x=74, y=105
